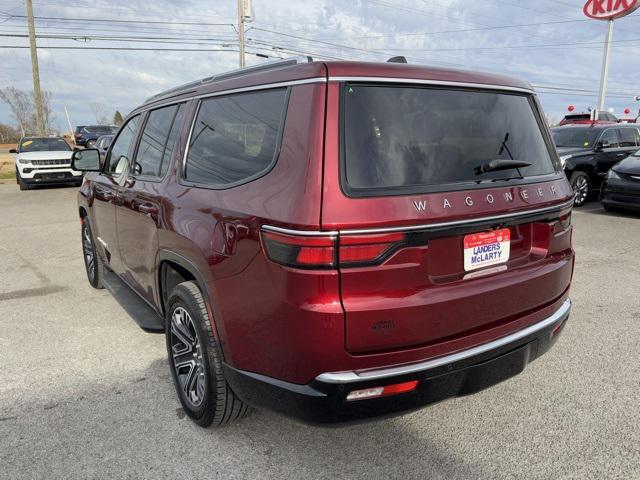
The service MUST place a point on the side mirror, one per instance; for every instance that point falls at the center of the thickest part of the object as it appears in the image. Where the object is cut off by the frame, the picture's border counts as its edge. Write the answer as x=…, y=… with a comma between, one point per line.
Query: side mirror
x=13, y=150
x=601, y=145
x=86, y=160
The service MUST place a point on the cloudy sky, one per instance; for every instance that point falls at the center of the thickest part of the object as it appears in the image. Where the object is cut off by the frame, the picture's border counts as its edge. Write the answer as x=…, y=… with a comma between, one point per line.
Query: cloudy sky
x=550, y=43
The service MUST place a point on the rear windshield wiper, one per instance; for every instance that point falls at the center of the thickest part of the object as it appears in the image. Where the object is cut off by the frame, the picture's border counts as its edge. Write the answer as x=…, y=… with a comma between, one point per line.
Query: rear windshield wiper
x=499, y=164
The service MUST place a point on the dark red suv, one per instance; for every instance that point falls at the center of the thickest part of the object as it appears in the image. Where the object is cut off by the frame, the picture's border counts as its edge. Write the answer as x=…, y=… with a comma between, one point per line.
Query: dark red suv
x=336, y=240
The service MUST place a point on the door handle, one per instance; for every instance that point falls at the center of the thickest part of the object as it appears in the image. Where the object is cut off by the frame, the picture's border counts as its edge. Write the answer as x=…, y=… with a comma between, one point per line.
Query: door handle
x=147, y=208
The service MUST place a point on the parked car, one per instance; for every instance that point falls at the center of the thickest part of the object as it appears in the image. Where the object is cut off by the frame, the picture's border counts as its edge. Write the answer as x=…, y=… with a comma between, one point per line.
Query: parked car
x=86, y=136
x=44, y=161
x=588, y=152
x=585, y=119
x=102, y=144
x=621, y=187
x=336, y=241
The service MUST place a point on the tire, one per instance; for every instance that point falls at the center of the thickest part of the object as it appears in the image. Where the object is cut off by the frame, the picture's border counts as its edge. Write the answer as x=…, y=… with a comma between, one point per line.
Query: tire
x=90, y=143
x=92, y=262
x=195, y=360
x=581, y=186
x=23, y=185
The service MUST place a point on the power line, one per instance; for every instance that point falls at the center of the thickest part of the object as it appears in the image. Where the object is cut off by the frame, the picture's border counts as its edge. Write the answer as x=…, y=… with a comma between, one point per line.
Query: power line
x=115, y=20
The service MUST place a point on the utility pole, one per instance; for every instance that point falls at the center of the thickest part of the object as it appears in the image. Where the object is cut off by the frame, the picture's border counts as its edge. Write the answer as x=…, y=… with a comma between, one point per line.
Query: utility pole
x=241, y=15
x=37, y=95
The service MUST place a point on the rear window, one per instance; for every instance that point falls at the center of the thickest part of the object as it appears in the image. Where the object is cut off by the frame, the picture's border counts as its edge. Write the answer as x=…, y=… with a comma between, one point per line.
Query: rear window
x=235, y=138
x=575, y=137
x=417, y=139
x=578, y=116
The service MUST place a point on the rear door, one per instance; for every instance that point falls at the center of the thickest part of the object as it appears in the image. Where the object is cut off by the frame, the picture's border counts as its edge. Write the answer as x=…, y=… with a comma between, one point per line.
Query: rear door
x=429, y=249
x=138, y=217
x=106, y=192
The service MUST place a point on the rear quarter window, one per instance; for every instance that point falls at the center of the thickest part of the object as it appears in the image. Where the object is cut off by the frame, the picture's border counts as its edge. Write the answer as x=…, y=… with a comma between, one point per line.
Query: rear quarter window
x=398, y=139
x=235, y=138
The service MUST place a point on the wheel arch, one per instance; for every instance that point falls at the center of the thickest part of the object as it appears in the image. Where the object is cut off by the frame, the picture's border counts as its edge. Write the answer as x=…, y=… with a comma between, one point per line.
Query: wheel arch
x=174, y=268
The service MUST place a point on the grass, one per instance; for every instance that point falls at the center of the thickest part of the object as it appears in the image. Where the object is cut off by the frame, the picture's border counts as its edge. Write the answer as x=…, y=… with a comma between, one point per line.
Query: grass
x=8, y=175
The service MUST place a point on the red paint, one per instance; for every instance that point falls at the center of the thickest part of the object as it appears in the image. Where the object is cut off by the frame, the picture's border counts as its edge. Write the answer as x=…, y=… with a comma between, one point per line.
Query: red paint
x=609, y=9
x=294, y=323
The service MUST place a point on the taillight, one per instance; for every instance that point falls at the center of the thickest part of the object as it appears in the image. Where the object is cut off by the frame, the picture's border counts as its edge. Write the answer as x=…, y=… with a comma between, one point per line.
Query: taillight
x=563, y=223
x=300, y=251
x=362, y=250
x=330, y=251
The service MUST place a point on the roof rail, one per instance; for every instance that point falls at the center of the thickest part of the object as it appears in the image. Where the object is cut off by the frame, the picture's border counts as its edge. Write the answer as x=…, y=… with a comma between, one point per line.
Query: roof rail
x=239, y=72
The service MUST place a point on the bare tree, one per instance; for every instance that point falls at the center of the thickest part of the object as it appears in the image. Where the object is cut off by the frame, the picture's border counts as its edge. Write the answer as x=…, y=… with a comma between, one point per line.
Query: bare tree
x=99, y=111
x=23, y=109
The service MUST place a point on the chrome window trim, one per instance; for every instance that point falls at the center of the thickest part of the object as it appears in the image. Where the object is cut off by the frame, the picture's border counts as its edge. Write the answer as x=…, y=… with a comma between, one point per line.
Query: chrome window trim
x=264, y=86
x=443, y=83
x=428, y=226
x=350, y=377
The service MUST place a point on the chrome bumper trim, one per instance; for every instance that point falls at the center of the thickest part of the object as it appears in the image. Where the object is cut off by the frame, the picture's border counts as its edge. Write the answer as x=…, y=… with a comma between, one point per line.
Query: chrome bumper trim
x=351, y=376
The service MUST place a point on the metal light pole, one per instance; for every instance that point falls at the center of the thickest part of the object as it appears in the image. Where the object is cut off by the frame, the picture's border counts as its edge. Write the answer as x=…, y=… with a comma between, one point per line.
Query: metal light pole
x=37, y=95
x=605, y=66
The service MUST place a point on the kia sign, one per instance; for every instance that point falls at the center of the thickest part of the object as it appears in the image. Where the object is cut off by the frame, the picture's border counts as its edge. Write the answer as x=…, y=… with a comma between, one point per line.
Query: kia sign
x=609, y=9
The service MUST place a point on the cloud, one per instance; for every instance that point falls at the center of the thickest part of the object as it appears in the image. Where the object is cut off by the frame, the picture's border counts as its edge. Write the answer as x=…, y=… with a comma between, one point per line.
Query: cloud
x=331, y=28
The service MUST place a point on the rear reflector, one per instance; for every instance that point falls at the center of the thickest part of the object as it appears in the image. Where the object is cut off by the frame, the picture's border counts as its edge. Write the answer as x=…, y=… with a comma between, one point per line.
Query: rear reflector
x=376, y=392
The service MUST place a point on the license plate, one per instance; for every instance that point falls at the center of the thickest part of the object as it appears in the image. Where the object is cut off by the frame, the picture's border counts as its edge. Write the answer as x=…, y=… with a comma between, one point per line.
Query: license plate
x=486, y=248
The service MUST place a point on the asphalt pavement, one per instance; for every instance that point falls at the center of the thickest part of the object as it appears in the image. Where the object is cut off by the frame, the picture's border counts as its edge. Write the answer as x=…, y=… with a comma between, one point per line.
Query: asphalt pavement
x=85, y=393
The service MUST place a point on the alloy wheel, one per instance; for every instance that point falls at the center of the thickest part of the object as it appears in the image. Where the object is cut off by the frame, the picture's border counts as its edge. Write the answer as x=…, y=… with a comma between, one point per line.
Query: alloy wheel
x=581, y=189
x=87, y=250
x=186, y=354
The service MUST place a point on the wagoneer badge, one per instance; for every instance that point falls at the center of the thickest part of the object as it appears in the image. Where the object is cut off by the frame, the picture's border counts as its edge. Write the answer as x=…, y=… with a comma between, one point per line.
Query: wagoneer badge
x=493, y=199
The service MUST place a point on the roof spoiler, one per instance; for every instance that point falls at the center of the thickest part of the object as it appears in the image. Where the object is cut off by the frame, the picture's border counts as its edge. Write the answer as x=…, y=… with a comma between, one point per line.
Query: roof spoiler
x=239, y=72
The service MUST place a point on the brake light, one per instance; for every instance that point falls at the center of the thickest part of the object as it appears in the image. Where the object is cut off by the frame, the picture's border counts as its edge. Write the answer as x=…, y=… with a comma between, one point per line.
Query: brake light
x=377, y=392
x=329, y=251
x=360, y=250
x=300, y=251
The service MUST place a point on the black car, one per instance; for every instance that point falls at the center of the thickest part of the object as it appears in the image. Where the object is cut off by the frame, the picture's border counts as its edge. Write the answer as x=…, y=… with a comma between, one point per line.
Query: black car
x=86, y=135
x=621, y=187
x=587, y=152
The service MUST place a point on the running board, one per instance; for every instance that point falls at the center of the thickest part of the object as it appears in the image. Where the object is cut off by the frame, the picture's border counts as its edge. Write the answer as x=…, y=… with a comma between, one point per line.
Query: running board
x=145, y=316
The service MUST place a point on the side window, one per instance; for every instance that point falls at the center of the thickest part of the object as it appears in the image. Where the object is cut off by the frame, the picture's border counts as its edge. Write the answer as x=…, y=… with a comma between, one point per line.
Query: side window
x=610, y=137
x=118, y=157
x=157, y=141
x=627, y=137
x=235, y=137
x=636, y=134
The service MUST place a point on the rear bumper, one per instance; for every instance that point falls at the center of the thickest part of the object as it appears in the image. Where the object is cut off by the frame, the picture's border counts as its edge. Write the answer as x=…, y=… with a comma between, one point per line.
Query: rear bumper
x=461, y=373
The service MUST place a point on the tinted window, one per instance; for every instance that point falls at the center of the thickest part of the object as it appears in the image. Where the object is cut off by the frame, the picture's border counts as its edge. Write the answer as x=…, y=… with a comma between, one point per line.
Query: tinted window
x=611, y=137
x=43, y=145
x=157, y=141
x=120, y=150
x=574, y=137
x=235, y=137
x=413, y=137
x=628, y=137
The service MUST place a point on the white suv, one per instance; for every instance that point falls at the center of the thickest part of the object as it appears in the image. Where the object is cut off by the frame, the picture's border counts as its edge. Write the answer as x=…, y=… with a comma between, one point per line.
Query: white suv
x=44, y=161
